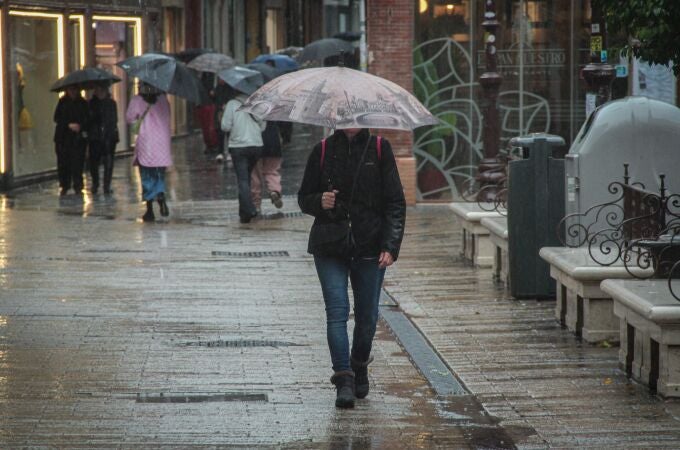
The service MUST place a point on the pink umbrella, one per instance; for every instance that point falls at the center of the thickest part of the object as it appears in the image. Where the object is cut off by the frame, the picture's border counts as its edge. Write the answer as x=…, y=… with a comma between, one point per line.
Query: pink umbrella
x=337, y=98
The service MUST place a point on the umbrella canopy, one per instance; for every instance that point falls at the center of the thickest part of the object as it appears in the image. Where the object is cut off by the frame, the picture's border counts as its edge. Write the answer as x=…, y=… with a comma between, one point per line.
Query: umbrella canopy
x=281, y=62
x=242, y=79
x=338, y=97
x=84, y=77
x=211, y=62
x=189, y=54
x=268, y=72
x=316, y=52
x=289, y=51
x=166, y=74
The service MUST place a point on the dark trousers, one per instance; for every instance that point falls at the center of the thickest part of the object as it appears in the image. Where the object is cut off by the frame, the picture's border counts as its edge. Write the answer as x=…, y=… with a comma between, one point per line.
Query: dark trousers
x=70, y=162
x=244, y=159
x=101, y=153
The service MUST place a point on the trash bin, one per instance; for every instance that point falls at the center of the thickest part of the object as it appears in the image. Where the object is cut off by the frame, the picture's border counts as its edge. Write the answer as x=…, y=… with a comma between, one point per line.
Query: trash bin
x=635, y=130
x=535, y=207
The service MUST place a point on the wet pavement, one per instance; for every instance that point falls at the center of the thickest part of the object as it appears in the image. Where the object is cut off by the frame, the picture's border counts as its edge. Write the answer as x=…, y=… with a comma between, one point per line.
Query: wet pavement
x=200, y=332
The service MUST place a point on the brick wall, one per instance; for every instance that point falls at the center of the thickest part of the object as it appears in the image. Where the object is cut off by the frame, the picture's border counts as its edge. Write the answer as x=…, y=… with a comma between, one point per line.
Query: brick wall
x=389, y=29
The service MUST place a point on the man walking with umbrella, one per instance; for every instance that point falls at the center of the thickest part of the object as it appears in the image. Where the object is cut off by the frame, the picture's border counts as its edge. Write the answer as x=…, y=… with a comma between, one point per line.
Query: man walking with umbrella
x=70, y=117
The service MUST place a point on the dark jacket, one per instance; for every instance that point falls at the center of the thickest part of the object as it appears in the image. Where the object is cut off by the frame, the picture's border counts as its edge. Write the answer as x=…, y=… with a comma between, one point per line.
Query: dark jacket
x=271, y=140
x=70, y=111
x=103, y=121
x=378, y=211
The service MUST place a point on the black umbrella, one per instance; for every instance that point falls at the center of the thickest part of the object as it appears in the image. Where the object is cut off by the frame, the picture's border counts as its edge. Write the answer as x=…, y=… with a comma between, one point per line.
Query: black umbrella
x=187, y=55
x=316, y=52
x=166, y=74
x=83, y=77
x=349, y=36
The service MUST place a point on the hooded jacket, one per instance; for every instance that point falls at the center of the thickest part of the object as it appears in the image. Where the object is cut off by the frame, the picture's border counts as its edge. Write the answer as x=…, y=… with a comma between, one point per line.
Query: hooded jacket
x=378, y=207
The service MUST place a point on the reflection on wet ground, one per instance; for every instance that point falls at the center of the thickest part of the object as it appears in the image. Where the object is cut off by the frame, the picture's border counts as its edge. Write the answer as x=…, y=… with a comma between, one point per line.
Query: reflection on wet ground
x=198, y=331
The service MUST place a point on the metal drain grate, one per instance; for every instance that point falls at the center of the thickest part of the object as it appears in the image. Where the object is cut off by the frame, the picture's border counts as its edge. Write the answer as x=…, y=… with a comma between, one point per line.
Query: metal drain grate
x=251, y=254
x=282, y=215
x=239, y=343
x=201, y=397
x=423, y=356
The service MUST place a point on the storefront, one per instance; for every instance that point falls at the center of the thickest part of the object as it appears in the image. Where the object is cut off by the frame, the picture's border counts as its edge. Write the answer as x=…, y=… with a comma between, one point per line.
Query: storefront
x=40, y=46
x=542, y=45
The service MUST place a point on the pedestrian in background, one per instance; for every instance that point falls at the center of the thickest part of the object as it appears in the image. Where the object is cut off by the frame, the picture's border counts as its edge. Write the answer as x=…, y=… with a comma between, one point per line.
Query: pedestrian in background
x=245, y=147
x=267, y=171
x=149, y=112
x=352, y=188
x=70, y=117
x=222, y=95
x=102, y=135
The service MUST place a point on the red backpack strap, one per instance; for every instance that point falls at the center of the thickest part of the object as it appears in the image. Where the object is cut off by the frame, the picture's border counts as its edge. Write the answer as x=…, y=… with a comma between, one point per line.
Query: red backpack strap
x=323, y=152
x=379, y=145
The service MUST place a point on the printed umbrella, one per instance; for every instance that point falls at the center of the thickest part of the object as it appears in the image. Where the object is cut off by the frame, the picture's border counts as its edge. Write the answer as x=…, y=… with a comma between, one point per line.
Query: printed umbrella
x=166, y=74
x=337, y=98
x=84, y=77
x=315, y=52
x=211, y=62
x=242, y=79
x=281, y=62
x=268, y=72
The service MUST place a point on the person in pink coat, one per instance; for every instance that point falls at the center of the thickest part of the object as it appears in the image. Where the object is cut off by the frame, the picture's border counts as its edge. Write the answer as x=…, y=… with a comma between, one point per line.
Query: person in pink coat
x=152, y=148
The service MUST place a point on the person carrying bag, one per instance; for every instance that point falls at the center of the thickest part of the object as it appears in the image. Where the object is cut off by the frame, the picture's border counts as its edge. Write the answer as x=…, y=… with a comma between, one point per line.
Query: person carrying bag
x=351, y=187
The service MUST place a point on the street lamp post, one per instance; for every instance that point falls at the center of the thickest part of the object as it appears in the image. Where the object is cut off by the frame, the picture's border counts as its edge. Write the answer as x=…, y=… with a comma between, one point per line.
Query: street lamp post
x=598, y=75
x=490, y=170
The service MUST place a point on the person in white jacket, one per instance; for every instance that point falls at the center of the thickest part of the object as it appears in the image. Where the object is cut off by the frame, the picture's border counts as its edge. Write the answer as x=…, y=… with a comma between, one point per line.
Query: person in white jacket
x=245, y=147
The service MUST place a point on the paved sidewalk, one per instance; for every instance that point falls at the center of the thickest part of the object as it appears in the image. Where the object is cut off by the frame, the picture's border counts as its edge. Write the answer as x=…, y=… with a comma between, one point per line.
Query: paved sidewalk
x=178, y=334
x=119, y=334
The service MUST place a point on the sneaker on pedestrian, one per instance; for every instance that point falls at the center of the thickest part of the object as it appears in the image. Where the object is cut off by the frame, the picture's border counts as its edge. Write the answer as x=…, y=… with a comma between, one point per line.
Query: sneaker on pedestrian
x=219, y=158
x=276, y=199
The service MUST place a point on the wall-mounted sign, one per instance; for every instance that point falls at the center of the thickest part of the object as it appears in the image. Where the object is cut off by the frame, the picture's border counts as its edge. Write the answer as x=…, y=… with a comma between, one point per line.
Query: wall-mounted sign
x=621, y=70
x=595, y=43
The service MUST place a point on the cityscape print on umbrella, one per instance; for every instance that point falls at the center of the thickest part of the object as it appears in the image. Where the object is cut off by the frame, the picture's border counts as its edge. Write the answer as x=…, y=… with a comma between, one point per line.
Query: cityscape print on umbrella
x=324, y=101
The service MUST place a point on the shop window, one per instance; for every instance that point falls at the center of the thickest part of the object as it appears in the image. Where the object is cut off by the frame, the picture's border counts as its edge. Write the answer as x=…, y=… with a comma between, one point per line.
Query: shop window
x=36, y=62
x=117, y=38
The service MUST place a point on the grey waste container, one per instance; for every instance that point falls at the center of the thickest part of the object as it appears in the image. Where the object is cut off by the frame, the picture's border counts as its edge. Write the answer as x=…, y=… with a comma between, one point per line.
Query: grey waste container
x=535, y=207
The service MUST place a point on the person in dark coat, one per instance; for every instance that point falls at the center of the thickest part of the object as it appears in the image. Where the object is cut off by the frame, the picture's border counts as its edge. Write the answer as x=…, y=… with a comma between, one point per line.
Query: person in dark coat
x=356, y=180
x=102, y=135
x=71, y=116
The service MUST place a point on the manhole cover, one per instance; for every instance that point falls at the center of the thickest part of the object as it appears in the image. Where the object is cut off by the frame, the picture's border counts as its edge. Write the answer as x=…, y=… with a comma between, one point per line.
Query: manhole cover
x=239, y=343
x=200, y=397
x=251, y=254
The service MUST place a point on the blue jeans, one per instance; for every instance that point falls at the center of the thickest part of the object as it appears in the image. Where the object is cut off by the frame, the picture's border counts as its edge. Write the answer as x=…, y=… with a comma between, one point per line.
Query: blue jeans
x=153, y=182
x=366, y=278
x=244, y=159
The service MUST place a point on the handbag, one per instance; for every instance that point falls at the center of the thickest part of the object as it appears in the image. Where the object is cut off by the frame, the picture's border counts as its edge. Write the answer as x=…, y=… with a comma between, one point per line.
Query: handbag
x=137, y=124
x=336, y=238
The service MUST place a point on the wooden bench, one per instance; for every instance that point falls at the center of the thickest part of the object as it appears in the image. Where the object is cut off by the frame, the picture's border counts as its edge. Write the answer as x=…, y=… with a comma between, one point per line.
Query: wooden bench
x=498, y=234
x=649, y=331
x=581, y=305
x=477, y=247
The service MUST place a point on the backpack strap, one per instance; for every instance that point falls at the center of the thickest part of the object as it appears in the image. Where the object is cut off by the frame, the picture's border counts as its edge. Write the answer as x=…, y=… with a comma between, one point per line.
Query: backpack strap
x=379, y=145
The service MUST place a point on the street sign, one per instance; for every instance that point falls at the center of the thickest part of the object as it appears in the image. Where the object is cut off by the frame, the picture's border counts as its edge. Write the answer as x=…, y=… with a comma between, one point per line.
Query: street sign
x=595, y=43
x=621, y=70
x=603, y=56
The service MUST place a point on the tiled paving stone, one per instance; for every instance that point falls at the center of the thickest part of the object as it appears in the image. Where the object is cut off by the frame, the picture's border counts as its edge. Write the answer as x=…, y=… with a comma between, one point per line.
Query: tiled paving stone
x=96, y=309
x=521, y=365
